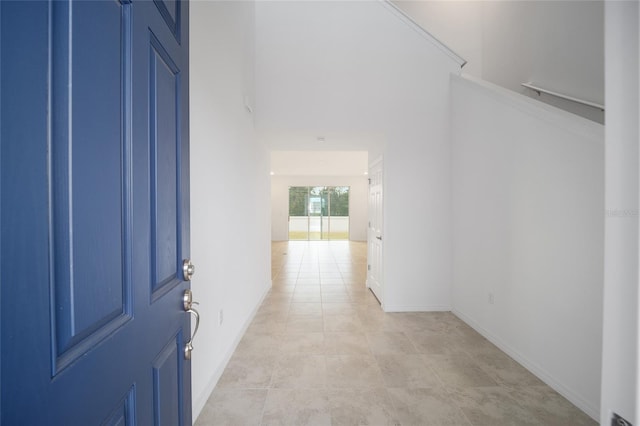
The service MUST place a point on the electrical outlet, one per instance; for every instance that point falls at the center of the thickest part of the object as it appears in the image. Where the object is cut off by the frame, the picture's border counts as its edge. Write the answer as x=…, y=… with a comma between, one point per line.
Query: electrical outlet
x=491, y=299
x=220, y=316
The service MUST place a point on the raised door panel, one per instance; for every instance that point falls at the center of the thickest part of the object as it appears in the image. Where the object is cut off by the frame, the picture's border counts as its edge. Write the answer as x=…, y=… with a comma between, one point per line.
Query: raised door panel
x=123, y=414
x=166, y=195
x=90, y=256
x=168, y=384
x=68, y=312
x=170, y=11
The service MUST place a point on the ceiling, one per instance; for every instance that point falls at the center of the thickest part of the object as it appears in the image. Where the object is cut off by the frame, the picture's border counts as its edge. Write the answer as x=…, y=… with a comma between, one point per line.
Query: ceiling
x=319, y=163
x=320, y=140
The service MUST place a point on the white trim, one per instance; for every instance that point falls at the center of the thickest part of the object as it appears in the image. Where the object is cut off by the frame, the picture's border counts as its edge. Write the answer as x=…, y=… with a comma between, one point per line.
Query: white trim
x=575, y=398
x=199, y=404
x=400, y=14
x=416, y=308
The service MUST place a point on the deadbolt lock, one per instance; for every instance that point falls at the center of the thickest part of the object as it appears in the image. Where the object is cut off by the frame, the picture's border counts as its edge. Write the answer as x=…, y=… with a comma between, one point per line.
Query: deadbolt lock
x=188, y=269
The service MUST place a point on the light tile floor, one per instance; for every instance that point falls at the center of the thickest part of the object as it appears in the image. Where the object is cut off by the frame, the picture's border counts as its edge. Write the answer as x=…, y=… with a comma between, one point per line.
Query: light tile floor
x=320, y=351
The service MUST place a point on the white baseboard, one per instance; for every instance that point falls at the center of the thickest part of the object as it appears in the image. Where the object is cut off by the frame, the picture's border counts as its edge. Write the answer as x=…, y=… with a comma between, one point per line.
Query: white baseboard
x=535, y=369
x=201, y=400
x=415, y=308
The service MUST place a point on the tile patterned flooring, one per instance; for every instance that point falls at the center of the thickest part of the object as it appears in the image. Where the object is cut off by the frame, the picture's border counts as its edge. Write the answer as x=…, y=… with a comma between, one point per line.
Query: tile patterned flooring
x=320, y=351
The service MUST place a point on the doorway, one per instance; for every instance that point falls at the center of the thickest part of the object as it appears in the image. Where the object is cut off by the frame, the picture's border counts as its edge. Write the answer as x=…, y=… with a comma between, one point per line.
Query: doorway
x=318, y=213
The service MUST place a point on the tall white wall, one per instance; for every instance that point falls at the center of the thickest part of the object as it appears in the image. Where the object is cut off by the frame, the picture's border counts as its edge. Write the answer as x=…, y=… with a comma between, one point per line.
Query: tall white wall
x=229, y=187
x=358, y=202
x=556, y=44
x=620, y=380
x=354, y=68
x=528, y=196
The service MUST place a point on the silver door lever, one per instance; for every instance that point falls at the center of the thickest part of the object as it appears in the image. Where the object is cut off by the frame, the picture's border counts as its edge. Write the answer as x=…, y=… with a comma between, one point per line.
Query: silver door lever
x=187, y=302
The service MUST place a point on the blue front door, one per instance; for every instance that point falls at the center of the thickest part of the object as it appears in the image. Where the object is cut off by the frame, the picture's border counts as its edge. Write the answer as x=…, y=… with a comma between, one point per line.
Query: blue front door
x=94, y=212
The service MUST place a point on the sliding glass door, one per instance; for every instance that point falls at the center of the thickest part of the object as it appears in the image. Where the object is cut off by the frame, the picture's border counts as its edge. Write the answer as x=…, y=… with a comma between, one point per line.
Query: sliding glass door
x=338, y=221
x=298, y=213
x=318, y=204
x=318, y=213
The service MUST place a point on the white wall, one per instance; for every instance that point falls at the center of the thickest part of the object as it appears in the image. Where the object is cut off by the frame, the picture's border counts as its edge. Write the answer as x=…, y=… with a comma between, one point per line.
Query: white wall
x=229, y=185
x=528, y=196
x=556, y=44
x=458, y=24
x=358, y=202
x=357, y=68
x=620, y=391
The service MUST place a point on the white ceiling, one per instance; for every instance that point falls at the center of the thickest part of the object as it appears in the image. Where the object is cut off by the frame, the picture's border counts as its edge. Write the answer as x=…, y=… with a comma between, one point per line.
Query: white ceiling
x=308, y=140
x=319, y=163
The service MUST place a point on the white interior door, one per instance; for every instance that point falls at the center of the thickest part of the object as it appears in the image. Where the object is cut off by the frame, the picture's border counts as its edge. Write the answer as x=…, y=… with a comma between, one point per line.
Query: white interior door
x=374, y=234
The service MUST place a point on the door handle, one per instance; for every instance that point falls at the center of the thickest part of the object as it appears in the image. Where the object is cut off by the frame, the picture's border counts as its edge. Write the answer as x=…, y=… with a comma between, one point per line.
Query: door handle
x=187, y=302
x=379, y=237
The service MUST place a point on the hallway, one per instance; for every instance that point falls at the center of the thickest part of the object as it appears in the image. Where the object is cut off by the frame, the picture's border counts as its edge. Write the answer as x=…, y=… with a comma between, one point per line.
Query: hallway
x=320, y=351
